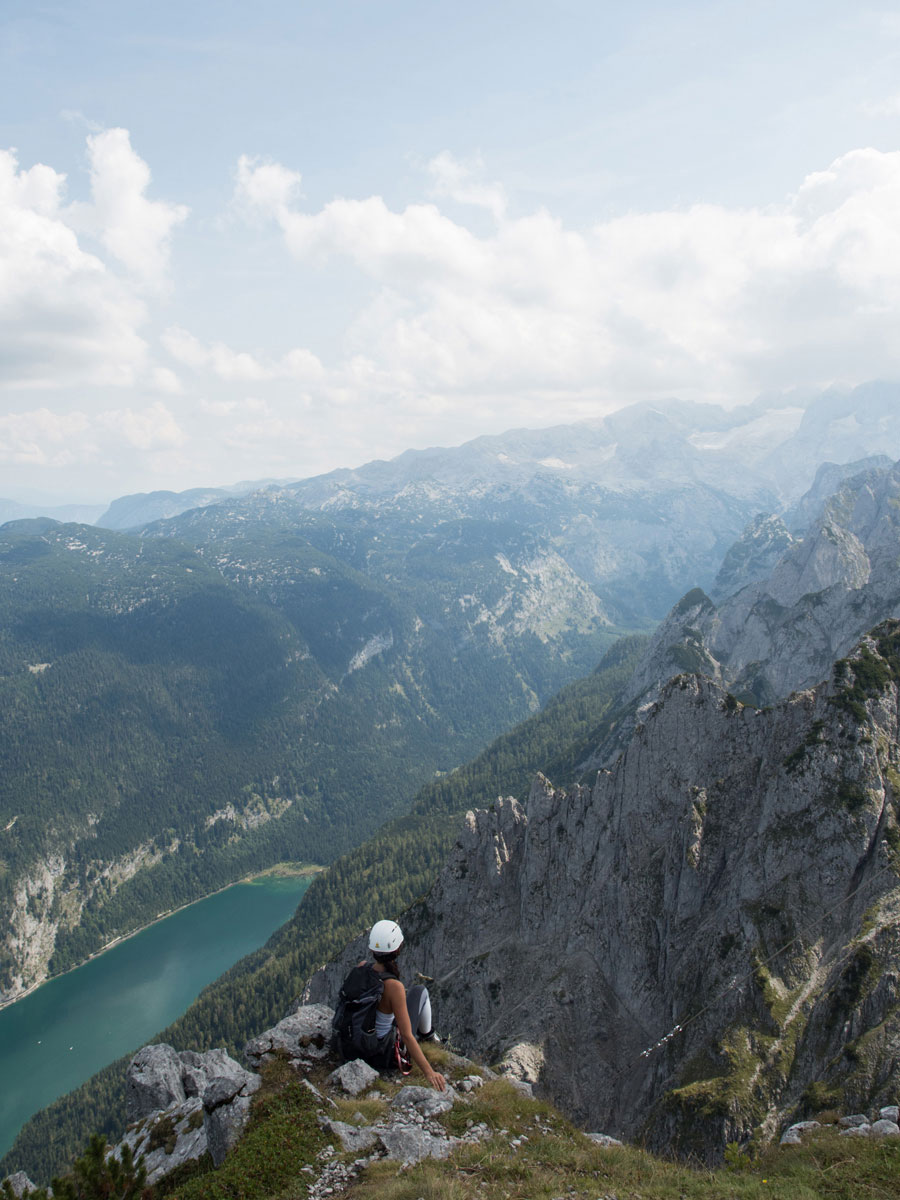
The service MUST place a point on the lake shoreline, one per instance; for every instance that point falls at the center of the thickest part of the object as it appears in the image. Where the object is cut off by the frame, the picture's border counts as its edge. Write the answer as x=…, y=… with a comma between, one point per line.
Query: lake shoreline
x=83, y=1020
x=277, y=870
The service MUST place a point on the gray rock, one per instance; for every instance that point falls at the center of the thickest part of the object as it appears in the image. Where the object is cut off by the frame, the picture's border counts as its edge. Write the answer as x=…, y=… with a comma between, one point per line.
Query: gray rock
x=322, y=1098
x=153, y=1082
x=890, y=1112
x=303, y=1033
x=199, y=1069
x=603, y=1139
x=885, y=1128
x=226, y=1110
x=854, y=1119
x=224, y=1125
x=470, y=1083
x=424, y=1100
x=181, y=1131
x=709, y=806
x=857, y=1131
x=172, y=1125
x=783, y=631
x=225, y=1088
x=353, y=1077
x=20, y=1183
x=354, y=1138
x=523, y=1061
x=410, y=1144
x=521, y=1086
x=793, y=1135
x=159, y=1077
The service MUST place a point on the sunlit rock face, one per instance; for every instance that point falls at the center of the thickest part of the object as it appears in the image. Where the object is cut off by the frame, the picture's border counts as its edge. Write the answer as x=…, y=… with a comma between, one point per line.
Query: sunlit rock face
x=734, y=874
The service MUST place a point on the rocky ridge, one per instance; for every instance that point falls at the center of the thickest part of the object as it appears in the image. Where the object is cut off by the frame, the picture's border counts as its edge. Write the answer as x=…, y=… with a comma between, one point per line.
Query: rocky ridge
x=690, y=944
x=803, y=602
x=183, y=1107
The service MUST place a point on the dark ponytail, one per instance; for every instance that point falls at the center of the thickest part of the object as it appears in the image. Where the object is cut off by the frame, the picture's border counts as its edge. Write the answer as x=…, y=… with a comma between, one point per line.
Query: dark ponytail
x=389, y=962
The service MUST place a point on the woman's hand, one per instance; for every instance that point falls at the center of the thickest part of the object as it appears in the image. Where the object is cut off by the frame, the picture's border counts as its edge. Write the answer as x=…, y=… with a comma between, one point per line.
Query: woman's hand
x=436, y=1079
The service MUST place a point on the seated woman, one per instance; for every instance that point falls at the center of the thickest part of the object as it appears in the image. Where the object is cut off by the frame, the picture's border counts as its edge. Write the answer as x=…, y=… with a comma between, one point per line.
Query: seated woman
x=409, y=1011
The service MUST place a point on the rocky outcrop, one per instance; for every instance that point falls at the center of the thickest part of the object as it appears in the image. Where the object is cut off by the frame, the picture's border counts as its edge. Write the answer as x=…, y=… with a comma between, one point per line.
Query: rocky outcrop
x=20, y=1183
x=186, y=1105
x=303, y=1035
x=753, y=555
x=884, y=1125
x=783, y=630
x=705, y=933
x=181, y=1105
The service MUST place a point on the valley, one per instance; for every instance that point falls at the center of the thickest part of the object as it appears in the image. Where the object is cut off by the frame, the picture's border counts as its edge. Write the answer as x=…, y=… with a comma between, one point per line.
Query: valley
x=306, y=667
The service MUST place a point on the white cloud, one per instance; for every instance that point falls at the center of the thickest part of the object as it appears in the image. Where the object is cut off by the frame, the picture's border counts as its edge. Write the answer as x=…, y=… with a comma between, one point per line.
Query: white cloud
x=153, y=428
x=41, y=437
x=712, y=301
x=887, y=106
x=135, y=230
x=232, y=366
x=165, y=380
x=68, y=317
x=460, y=182
x=63, y=316
x=266, y=186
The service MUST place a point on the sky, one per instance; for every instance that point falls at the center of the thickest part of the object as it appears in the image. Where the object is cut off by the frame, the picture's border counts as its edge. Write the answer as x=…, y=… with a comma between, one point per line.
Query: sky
x=250, y=241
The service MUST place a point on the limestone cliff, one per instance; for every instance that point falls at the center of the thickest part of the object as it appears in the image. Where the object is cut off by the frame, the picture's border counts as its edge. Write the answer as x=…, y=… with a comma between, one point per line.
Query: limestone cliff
x=783, y=630
x=733, y=877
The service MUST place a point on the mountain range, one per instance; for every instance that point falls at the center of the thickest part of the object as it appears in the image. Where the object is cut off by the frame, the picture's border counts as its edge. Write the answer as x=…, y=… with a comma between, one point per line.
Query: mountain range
x=408, y=612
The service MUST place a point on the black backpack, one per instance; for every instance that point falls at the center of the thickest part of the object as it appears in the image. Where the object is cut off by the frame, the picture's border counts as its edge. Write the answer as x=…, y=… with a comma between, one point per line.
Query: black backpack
x=354, y=1020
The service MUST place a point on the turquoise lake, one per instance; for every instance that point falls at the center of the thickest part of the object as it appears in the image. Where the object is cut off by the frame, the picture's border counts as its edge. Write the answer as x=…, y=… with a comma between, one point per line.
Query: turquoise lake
x=56, y=1038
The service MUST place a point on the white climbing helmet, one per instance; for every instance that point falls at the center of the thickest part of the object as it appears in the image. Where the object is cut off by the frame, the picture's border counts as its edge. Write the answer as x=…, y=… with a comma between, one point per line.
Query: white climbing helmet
x=386, y=937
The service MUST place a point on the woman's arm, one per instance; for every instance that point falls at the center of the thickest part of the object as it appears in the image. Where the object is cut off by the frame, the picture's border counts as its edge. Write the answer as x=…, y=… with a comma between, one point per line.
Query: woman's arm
x=396, y=994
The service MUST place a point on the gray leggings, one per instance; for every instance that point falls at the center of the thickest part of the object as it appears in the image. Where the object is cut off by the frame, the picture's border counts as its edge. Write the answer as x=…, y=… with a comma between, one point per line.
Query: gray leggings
x=418, y=1005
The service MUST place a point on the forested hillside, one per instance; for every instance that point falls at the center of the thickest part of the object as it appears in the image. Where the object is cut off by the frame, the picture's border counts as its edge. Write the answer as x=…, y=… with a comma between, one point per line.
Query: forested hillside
x=384, y=875
x=175, y=716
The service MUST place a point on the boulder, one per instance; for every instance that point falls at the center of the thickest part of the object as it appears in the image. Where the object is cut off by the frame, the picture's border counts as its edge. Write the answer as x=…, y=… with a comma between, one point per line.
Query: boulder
x=352, y=1137
x=159, y=1077
x=304, y=1034
x=424, y=1100
x=523, y=1061
x=854, y=1119
x=182, y=1104
x=890, y=1113
x=167, y=1139
x=411, y=1143
x=153, y=1082
x=226, y=1111
x=792, y=1135
x=199, y=1069
x=353, y=1077
x=857, y=1131
x=885, y=1128
x=20, y=1183
x=603, y=1139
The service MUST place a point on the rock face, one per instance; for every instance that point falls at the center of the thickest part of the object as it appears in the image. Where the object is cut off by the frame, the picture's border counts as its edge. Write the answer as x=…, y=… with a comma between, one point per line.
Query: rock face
x=784, y=629
x=705, y=932
x=181, y=1105
x=753, y=555
x=159, y=1076
x=302, y=1035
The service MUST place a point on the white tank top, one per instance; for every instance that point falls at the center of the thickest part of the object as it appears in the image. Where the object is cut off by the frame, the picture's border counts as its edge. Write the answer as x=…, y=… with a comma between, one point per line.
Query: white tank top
x=383, y=1022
